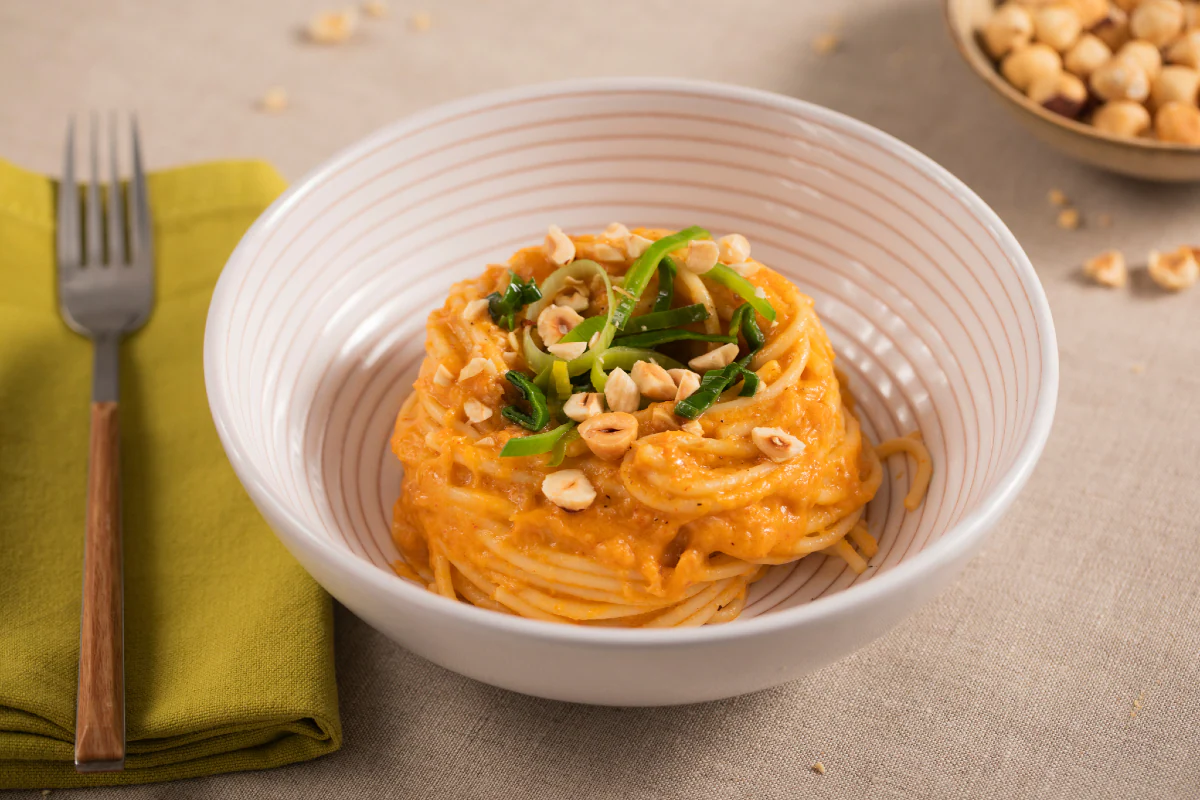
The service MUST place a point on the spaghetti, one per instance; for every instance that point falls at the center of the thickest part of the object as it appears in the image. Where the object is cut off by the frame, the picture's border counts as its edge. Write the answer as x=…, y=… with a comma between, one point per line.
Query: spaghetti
x=562, y=463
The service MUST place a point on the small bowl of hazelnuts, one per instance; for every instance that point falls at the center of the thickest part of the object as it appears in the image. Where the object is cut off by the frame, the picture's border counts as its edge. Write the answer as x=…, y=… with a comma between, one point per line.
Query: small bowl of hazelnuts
x=1114, y=83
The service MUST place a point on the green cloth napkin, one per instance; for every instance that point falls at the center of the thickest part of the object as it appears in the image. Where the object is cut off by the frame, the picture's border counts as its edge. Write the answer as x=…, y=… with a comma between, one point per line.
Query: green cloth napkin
x=228, y=642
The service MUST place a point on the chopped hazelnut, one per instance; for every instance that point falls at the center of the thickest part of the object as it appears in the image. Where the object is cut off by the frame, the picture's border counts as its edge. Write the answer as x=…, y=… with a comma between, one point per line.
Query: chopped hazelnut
x=693, y=427
x=556, y=322
x=584, y=406
x=568, y=351
x=1157, y=21
x=332, y=27
x=1120, y=78
x=475, y=310
x=1057, y=198
x=476, y=411
x=421, y=21
x=777, y=444
x=825, y=44
x=1178, y=122
x=735, y=248
x=1058, y=26
x=745, y=268
x=1174, y=271
x=686, y=382
x=476, y=366
x=443, y=376
x=1063, y=94
x=652, y=381
x=275, y=100
x=1145, y=54
x=1086, y=56
x=1068, y=219
x=1007, y=29
x=715, y=359
x=1122, y=118
x=1175, y=84
x=569, y=489
x=1107, y=269
x=609, y=435
x=636, y=245
x=1027, y=64
x=621, y=392
x=702, y=255
x=558, y=247
x=1186, y=50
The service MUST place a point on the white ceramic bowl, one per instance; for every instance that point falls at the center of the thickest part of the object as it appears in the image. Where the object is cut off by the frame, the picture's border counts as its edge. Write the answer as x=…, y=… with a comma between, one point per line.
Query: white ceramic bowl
x=316, y=331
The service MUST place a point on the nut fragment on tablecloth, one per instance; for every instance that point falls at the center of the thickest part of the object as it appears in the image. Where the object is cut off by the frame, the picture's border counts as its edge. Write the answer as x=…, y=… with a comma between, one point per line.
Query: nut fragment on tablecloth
x=1107, y=269
x=275, y=100
x=332, y=27
x=1068, y=219
x=1176, y=270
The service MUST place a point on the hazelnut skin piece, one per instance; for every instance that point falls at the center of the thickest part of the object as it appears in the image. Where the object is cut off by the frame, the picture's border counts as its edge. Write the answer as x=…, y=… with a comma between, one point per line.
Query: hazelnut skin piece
x=1029, y=63
x=1122, y=118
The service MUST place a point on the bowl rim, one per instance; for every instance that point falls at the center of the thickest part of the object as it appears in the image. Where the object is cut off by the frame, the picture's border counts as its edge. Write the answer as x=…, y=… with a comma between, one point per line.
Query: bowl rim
x=955, y=542
x=981, y=65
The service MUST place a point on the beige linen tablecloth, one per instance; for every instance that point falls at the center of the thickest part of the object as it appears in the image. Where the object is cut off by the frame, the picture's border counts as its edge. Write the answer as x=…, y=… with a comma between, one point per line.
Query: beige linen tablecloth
x=1066, y=660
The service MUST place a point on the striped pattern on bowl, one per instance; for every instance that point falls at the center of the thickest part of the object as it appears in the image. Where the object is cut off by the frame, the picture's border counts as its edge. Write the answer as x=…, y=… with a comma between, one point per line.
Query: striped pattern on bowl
x=324, y=324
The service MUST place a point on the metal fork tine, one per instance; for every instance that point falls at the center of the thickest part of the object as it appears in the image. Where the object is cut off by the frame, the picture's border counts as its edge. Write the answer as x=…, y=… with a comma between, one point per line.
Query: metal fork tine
x=92, y=230
x=140, y=238
x=68, y=206
x=116, y=206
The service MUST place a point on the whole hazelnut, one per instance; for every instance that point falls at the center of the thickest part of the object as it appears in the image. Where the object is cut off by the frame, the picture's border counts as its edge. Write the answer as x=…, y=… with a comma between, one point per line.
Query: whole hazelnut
x=1157, y=21
x=1120, y=78
x=1057, y=26
x=1027, y=64
x=1009, y=28
x=1062, y=93
x=1122, y=118
x=1113, y=30
x=1186, y=50
x=1126, y=5
x=1087, y=54
x=1191, y=15
x=1145, y=54
x=1175, y=85
x=1178, y=122
x=1090, y=11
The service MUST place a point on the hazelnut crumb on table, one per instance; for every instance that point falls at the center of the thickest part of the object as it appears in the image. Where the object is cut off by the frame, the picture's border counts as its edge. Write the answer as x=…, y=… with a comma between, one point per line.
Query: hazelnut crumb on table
x=818, y=768
x=826, y=43
x=1068, y=219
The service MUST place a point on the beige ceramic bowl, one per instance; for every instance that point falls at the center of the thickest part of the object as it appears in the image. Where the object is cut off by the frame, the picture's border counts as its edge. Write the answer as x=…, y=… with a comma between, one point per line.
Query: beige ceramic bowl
x=1141, y=158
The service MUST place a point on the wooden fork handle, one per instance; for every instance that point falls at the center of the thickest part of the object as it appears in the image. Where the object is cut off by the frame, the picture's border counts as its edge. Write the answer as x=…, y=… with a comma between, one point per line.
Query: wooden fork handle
x=100, y=709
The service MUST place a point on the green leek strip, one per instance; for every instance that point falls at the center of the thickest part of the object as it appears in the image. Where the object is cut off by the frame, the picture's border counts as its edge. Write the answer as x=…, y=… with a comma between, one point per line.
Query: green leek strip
x=562, y=380
x=666, y=284
x=655, y=338
x=714, y=382
x=539, y=413
x=750, y=383
x=639, y=274
x=584, y=330
x=672, y=318
x=560, y=447
x=625, y=358
x=536, y=444
x=539, y=360
x=743, y=320
x=738, y=285
x=518, y=294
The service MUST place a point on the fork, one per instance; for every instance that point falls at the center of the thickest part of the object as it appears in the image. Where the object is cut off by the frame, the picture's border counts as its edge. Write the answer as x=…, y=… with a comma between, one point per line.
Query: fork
x=105, y=291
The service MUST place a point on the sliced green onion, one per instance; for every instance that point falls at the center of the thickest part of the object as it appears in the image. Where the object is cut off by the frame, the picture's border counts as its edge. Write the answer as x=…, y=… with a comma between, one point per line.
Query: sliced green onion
x=517, y=295
x=584, y=330
x=639, y=274
x=538, y=414
x=743, y=320
x=740, y=286
x=537, y=444
x=625, y=358
x=538, y=359
x=559, y=451
x=672, y=318
x=655, y=338
x=714, y=382
x=666, y=284
x=750, y=384
x=561, y=378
